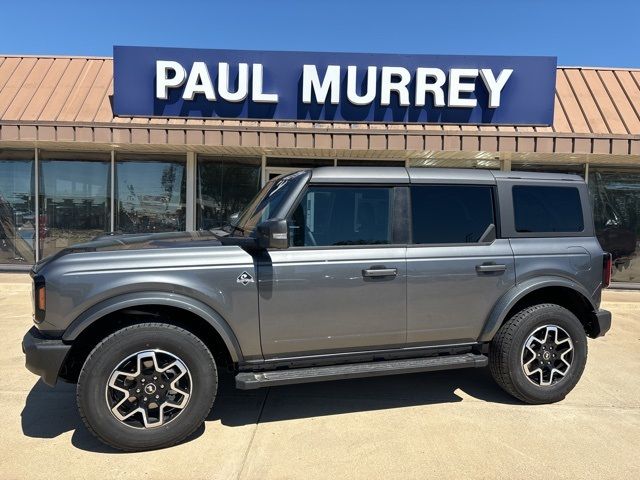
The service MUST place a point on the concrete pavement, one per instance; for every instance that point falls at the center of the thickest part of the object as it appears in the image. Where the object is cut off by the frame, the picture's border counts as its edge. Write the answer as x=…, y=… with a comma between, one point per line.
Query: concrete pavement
x=435, y=425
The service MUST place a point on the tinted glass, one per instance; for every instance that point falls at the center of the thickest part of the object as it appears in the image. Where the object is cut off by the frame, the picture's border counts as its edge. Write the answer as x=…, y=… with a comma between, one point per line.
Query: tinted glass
x=269, y=201
x=447, y=161
x=343, y=216
x=151, y=195
x=615, y=196
x=370, y=163
x=17, y=208
x=299, y=162
x=225, y=187
x=74, y=202
x=547, y=209
x=451, y=213
x=574, y=169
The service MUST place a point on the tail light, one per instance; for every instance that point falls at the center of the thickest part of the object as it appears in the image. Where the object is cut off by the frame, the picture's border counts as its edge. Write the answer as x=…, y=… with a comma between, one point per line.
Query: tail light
x=607, y=266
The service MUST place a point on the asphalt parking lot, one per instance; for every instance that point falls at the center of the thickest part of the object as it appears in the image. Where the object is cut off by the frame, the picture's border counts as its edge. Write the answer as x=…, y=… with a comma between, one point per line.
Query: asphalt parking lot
x=434, y=425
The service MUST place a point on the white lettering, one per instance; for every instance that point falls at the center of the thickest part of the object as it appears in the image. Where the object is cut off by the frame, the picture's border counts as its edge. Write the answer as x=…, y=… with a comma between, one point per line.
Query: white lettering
x=456, y=87
x=164, y=82
x=460, y=83
x=311, y=82
x=495, y=86
x=199, y=81
x=223, y=83
x=435, y=88
x=352, y=94
x=387, y=85
x=256, y=88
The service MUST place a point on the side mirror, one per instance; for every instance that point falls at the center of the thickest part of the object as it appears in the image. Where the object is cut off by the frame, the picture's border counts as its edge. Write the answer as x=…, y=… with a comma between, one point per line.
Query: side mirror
x=273, y=234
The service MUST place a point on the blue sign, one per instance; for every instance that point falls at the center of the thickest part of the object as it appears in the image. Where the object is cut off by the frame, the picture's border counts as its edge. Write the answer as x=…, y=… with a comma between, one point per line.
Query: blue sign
x=351, y=87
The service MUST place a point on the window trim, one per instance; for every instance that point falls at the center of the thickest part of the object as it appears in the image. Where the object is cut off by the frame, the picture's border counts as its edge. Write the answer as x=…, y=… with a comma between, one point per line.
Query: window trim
x=393, y=212
x=507, y=216
x=495, y=206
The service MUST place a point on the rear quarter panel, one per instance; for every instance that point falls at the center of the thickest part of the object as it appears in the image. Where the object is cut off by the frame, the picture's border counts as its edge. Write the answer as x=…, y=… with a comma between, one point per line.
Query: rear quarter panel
x=576, y=257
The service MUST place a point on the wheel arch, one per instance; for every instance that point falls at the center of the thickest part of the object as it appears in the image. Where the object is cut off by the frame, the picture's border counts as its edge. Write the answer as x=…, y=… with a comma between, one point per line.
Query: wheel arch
x=561, y=291
x=117, y=312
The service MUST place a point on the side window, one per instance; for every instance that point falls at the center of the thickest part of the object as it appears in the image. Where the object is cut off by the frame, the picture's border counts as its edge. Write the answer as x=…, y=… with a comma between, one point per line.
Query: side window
x=547, y=209
x=342, y=216
x=451, y=213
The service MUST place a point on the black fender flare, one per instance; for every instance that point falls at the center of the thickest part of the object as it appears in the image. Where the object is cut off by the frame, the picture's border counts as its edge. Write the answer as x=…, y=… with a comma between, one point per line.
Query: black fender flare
x=182, y=302
x=519, y=291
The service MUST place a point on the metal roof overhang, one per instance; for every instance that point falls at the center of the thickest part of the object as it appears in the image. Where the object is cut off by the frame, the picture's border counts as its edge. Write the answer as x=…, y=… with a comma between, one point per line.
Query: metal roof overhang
x=65, y=103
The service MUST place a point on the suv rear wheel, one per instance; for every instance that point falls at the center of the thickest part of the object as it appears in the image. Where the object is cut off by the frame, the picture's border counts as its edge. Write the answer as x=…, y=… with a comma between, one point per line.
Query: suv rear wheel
x=539, y=354
x=147, y=386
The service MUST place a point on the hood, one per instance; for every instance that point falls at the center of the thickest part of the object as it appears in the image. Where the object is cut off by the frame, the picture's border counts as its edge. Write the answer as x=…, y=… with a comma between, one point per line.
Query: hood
x=141, y=241
x=109, y=242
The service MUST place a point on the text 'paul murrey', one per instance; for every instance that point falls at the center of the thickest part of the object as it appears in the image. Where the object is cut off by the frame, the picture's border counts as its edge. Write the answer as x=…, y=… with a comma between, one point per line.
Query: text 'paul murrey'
x=411, y=88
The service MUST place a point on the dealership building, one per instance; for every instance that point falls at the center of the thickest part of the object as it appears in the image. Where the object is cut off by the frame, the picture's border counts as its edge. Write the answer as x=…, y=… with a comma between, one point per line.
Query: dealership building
x=164, y=145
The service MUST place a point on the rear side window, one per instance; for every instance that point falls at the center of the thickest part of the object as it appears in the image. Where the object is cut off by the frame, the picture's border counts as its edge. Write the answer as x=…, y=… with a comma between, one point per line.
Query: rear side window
x=451, y=213
x=547, y=209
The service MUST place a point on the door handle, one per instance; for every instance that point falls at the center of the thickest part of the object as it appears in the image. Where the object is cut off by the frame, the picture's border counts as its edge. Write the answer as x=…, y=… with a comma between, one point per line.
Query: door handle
x=490, y=267
x=380, y=272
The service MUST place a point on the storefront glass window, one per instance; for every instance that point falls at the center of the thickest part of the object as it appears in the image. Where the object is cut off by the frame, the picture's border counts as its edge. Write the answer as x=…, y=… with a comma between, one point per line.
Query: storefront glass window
x=17, y=207
x=150, y=194
x=452, y=161
x=370, y=163
x=572, y=168
x=225, y=187
x=615, y=196
x=74, y=199
x=299, y=162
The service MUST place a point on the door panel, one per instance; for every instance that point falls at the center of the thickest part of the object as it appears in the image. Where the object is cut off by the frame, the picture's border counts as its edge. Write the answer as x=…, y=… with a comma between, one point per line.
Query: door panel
x=342, y=285
x=321, y=300
x=452, y=289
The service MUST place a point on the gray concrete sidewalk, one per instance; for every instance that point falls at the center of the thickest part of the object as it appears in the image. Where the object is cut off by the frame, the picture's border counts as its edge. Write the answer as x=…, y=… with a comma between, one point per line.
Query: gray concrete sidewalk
x=436, y=425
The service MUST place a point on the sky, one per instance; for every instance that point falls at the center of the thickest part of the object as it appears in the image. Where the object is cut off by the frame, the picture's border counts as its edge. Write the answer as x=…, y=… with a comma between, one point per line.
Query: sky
x=579, y=32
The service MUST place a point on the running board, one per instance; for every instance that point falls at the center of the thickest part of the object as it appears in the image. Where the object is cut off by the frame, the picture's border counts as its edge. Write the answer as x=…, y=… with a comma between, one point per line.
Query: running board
x=251, y=380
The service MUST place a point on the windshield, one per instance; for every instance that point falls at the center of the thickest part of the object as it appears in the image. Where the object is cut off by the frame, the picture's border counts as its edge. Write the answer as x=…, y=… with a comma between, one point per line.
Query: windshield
x=268, y=202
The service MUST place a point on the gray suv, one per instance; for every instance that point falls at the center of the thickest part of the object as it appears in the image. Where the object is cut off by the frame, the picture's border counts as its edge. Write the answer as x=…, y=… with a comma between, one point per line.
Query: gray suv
x=329, y=273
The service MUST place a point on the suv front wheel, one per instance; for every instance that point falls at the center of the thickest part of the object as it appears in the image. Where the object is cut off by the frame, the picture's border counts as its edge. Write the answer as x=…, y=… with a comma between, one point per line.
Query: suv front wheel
x=539, y=354
x=147, y=386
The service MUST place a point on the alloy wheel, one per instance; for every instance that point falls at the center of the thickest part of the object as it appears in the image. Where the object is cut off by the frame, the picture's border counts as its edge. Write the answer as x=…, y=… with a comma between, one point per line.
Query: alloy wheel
x=547, y=355
x=148, y=389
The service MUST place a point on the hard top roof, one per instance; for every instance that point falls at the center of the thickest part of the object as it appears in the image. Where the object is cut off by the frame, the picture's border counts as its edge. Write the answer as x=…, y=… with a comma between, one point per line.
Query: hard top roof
x=427, y=175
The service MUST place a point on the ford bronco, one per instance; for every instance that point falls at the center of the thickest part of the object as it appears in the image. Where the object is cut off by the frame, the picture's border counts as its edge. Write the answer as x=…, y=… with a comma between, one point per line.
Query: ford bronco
x=329, y=273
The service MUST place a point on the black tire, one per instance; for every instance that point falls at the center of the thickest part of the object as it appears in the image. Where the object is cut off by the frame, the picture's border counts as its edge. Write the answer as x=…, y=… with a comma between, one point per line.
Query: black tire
x=92, y=392
x=506, y=354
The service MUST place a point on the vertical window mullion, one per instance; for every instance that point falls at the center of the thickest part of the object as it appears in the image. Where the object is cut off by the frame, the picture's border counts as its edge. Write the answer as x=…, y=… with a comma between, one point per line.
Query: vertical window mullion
x=190, y=223
x=112, y=202
x=36, y=188
x=263, y=171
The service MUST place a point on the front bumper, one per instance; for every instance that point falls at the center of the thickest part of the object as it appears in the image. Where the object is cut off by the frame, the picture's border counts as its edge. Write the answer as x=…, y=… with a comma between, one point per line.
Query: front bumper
x=602, y=323
x=44, y=356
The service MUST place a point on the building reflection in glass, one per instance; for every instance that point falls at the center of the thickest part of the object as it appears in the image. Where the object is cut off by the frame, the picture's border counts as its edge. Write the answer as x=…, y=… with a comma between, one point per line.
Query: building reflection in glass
x=150, y=194
x=225, y=186
x=17, y=208
x=615, y=196
x=74, y=200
